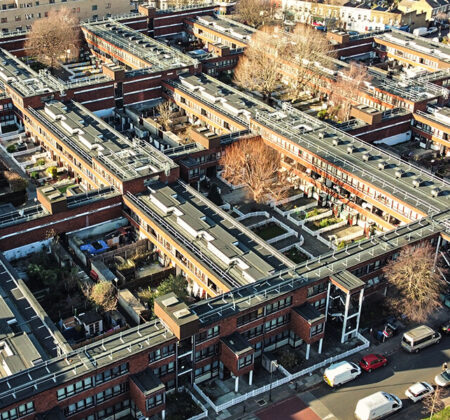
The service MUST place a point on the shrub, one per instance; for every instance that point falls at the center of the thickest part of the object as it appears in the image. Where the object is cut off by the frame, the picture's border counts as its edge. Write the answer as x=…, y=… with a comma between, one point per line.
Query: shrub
x=40, y=162
x=35, y=175
x=322, y=114
x=11, y=148
x=341, y=245
x=53, y=171
x=103, y=294
x=16, y=182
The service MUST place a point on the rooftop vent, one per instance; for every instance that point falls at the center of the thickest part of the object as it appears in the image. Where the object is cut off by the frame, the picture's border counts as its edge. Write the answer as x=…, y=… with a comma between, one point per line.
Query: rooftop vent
x=366, y=157
x=417, y=182
x=336, y=142
x=181, y=313
x=322, y=135
x=435, y=192
x=170, y=301
x=381, y=165
x=399, y=173
x=350, y=149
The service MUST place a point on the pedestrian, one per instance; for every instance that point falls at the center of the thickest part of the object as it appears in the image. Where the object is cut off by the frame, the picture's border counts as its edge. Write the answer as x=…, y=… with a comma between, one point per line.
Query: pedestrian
x=444, y=366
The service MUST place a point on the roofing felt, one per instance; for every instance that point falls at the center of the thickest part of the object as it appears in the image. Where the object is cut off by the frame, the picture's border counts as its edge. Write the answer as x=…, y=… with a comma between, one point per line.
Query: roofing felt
x=347, y=280
x=309, y=313
x=147, y=382
x=237, y=344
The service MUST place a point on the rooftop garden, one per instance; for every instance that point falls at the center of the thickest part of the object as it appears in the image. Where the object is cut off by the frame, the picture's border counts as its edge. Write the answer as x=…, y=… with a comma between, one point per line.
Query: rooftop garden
x=323, y=223
x=269, y=231
x=296, y=256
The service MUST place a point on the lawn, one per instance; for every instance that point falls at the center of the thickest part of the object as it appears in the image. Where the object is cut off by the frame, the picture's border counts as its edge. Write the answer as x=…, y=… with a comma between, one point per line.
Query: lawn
x=63, y=189
x=269, y=231
x=442, y=415
x=296, y=255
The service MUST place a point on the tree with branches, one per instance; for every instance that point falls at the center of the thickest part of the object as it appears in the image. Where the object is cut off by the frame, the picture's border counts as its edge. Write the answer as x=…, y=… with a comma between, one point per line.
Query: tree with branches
x=255, y=165
x=258, y=68
x=346, y=89
x=306, y=49
x=255, y=13
x=433, y=403
x=54, y=38
x=416, y=280
x=104, y=295
x=165, y=111
x=15, y=181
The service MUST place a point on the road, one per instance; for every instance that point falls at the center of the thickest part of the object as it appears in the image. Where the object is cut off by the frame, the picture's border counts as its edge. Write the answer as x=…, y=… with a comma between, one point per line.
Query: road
x=402, y=371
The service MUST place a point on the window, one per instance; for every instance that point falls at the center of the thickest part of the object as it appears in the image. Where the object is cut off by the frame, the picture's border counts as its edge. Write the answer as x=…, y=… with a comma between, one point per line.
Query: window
x=164, y=369
x=20, y=411
x=207, y=352
x=111, y=392
x=316, y=329
x=4, y=20
x=109, y=374
x=94, y=7
x=276, y=322
x=245, y=361
x=161, y=353
x=213, y=368
x=283, y=303
x=75, y=388
x=253, y=332
x=108, y=6
x=207, y=335
x=317, y=288
x=154, y=401
x=251, y=316
x=79, y=406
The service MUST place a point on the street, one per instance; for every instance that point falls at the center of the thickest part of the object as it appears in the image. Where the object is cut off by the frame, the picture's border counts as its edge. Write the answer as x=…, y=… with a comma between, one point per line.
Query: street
x=403, y=370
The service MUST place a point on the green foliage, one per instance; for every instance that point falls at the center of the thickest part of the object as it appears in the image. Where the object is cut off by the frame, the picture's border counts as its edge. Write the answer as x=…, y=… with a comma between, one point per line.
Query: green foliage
x=289, y=360
x=35, y=175
x=322, y=114
x=47, y=276
x=53, y=171
x=103, y=294
x=442, y=415
x=312, y=213
x=40, y=162
x=325, y=222
x=11, y=148
x=175, y=284
x=341, y=245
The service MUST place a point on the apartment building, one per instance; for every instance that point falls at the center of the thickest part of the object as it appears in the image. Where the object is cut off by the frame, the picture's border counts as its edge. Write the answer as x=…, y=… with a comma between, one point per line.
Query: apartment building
x=19, y=15
x=432, y=8
x=361, y=17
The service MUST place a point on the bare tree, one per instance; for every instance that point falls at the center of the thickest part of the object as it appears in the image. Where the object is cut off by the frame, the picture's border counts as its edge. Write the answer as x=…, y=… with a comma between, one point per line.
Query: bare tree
x=15, y=181
x=346, y=89
x=434, y=403
x=258, y=68
x=54, y=38
x=415, y=281
x=165, y=111
x=103, y=294
x=255, y=13
x=306, y=52
x=250, y=162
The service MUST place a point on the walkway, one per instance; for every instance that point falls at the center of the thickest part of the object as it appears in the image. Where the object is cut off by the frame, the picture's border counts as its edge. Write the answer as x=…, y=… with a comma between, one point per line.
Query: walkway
x=293, y=408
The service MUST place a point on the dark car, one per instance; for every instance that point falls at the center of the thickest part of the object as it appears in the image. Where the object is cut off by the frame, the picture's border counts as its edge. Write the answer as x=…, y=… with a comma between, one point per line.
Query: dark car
x=445, y=328
x=372, y=361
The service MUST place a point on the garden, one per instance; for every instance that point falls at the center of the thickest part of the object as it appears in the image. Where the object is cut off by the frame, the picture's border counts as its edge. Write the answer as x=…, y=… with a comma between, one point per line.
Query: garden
x=299, y=202
x=323, y=223
x=269, y=231
x=295, y=255
x=303, y=215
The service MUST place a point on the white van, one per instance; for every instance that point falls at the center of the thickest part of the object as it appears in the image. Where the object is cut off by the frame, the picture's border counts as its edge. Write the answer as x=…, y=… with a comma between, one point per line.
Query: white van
x=377, y=406
x=420, y=337
x=340, y=373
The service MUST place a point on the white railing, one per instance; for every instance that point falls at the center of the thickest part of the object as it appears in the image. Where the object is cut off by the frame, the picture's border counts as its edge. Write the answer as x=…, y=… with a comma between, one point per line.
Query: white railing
x=288, y=378
x=282, y=237
x=204, y=412
x=287, y=199
x=27, y=151
x=253, y=214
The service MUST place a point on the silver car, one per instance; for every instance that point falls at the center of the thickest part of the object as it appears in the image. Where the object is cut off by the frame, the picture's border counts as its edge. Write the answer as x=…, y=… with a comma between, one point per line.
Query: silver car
x=443, y=379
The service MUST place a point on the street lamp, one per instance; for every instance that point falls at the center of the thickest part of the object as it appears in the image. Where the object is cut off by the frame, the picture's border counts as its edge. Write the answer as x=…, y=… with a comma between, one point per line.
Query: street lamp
x=275, y=364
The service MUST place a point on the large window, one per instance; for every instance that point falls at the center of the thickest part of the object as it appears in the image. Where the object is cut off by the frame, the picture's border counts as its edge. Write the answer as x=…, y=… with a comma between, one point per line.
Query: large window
x=245, y=361
x=109, y=374
x=276, y=322
x=253, y=332
x=17, y=412
x=207, y=335
x=75, y=388
x=161, y=353
x=251, y=316
x=154, y=401
x=213, y=368
x=207, y=352
x=276, y=306
x=79, y=406
x=317, y=288
x=164, y=369
x=316, y=329
x=111, y=392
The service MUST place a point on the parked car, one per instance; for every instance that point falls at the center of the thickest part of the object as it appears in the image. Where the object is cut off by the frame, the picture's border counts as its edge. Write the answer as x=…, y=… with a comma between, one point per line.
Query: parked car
x=443, y=379
x=445, y=328
x=372, y=361
x=377, y=406
x=340, y=373
x=418, y=338
x=419, y=391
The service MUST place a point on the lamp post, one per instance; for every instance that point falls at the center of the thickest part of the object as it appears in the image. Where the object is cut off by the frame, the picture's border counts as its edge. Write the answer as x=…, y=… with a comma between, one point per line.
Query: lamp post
x=272, y=364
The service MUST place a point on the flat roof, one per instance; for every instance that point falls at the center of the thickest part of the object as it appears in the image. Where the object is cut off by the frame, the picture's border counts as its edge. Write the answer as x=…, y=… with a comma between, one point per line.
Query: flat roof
x=309, y=313
x=347, y=281
x=91, y=138
x=157, y=55
x=237, y=343
x=236, y=254
x=147, y=382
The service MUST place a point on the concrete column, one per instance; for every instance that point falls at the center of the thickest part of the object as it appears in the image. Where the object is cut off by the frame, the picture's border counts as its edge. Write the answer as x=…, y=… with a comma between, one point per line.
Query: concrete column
x=320, y=345
x=308, y=348
x=163, y=414
x=344, y=324
x=250, y=377
x=358, y=317
x=328, y=300
x=236, y=384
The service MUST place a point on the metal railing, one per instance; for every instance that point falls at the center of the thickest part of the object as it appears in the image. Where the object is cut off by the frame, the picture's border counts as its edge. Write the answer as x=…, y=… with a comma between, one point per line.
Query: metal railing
x=288, y=378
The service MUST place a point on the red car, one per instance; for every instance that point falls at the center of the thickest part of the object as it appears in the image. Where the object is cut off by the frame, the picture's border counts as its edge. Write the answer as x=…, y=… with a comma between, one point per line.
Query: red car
x=372, y=361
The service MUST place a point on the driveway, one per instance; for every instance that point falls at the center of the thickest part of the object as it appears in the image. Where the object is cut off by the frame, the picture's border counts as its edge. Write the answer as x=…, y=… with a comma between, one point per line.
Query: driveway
x=291, y=409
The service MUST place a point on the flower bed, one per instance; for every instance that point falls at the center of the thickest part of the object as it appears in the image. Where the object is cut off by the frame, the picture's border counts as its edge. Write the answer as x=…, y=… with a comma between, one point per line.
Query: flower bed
x=269, y=231
x=323, y=223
